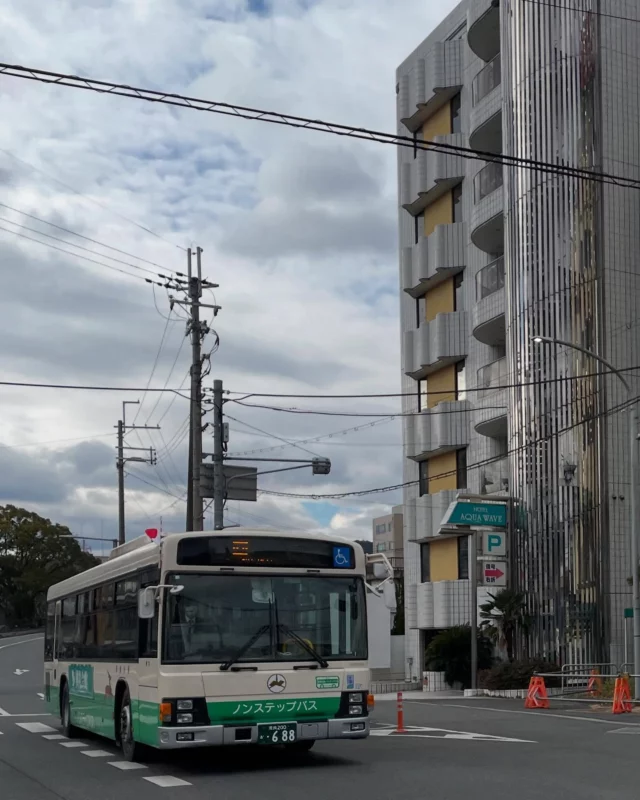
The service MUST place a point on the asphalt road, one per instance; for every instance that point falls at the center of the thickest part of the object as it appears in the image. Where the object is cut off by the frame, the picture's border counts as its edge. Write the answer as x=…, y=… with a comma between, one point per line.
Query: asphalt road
x=453, y=750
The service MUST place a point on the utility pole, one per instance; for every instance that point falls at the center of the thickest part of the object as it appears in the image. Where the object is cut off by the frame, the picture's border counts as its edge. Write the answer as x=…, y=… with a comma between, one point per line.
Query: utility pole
x=218, y=465
x=197, y=330
x=121, y=460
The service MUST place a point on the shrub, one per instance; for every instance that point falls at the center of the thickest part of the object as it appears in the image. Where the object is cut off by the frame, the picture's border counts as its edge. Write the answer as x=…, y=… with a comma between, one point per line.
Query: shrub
x=517, y=674
x=450, y=652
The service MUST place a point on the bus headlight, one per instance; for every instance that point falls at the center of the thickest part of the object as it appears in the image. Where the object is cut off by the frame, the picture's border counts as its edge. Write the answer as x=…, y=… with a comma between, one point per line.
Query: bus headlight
x=355, y=697
x=184, y=705
x=355, y=711
x=185, y=719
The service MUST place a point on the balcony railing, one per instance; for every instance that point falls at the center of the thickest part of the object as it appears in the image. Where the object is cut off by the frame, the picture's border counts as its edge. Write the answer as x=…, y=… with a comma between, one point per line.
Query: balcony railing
x=494, y=375
x=487, y=181
x=490, y=279
x=495, y=477
x=487, y=79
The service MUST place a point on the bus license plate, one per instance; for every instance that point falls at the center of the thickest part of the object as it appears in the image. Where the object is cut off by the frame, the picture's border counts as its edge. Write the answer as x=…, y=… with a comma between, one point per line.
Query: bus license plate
x=285, y=733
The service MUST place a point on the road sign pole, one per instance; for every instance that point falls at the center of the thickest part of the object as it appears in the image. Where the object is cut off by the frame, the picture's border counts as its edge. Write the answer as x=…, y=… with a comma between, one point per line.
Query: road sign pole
x=473, y=605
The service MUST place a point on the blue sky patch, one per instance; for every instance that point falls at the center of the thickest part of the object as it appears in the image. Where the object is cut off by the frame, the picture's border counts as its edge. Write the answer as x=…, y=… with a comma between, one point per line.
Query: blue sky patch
x=323, y=513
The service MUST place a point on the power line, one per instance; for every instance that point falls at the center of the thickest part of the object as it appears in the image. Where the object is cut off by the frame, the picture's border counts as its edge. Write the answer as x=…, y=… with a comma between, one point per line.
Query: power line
x=153, y=485
x=31, y=385
x=518, y=385
x=90, y=199
x=272, y=435
x=87, y=438
x=292, y=121
x=449, y=473
x=153, y=368
x=77, y=255
x=88, y=239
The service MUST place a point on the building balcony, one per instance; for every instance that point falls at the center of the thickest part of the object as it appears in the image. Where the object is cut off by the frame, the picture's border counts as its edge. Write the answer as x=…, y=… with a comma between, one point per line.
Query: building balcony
x=432, y=82
x=437, y=430
x=486, y=114
x=487, y=216
x=490, y=412
x=490, y=279
x=442, y=604
x=429, y=510
x=435, y=258
x=488, y=319
x=483, y=28
x=431, y=174
x=435, y=344
x=494, y=477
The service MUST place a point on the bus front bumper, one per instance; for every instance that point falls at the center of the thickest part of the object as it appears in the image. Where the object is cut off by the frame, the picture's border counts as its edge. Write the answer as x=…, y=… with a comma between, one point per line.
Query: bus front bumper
x=219, y=735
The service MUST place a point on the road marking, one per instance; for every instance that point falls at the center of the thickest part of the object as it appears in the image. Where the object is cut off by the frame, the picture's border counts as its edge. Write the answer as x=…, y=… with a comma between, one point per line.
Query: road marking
x=36, y=727
x=54, y=737
x=631, y=731
x=4, y=713
x=25, y=641
x=167, y=781
x=40, y=714
x=74, y=744
x=417, y=732
x=126, y=765
x=97, y=753
x=20, y=671
x=529, y=713
x=40, y=695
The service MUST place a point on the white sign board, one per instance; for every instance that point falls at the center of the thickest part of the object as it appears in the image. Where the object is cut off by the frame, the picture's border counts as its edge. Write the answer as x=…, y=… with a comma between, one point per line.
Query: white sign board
x=494, y=573
x=494, y=543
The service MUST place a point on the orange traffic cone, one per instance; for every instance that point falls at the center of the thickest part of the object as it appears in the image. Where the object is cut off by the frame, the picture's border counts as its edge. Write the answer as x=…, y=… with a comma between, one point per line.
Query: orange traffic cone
x=537, y=695
x=622, y=697
x=594, y=687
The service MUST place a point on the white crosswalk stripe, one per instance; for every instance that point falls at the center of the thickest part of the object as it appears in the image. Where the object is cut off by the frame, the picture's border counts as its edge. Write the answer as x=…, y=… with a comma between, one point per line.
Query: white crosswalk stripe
x=96, y=753
x=73, y=744
x=54, y=737
x=36, y=727
x=126, y=765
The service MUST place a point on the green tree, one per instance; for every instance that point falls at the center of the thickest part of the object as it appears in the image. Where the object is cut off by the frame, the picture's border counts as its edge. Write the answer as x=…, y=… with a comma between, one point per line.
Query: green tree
x=450, y=652
x=504, y=615
x=34, y=554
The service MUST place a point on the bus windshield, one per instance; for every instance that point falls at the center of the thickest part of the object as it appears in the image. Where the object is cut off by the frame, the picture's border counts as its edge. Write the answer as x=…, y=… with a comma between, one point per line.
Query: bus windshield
x=215, y=617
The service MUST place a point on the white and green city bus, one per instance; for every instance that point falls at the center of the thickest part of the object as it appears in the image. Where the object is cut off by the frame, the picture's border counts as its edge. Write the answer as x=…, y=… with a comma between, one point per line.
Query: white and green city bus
x=227, y=638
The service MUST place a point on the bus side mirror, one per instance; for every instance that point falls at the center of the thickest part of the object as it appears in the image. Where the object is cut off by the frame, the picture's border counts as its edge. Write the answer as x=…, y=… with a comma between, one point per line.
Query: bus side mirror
x=389, y=596
x=147, y=603
x=380, y=571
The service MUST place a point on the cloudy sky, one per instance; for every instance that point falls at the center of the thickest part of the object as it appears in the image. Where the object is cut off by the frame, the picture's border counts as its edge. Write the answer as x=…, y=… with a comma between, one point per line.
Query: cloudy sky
x=298, y=228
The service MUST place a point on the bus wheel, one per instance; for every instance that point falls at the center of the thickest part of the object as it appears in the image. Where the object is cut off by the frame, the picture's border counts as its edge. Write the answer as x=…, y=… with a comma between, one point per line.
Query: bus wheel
x=303, y=746
x=130, y=748
x=68, y=729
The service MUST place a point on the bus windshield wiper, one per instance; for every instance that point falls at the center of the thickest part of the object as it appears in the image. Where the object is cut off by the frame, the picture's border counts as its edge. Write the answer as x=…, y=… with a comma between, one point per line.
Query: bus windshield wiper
x=285, y=629
x=242, y=650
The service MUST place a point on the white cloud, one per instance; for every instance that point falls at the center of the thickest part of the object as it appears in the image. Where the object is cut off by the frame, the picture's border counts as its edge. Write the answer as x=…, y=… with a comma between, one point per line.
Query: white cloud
x=298, y=228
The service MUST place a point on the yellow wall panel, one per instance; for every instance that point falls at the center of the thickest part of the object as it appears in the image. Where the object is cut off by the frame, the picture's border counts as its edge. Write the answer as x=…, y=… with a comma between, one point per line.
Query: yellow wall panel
x=444, y=380
x=441, y=472
x=438, y=213
x=443, y=557
x=439, y=124
x=440, y=299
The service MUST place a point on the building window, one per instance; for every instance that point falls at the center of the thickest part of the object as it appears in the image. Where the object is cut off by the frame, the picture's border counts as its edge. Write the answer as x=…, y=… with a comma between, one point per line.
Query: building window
x=415, y=144
x=381, y=547
x=424, y=477
x=456, y=123
x=456, y=199
x=461, y=381
x=425, y=563
x=461, y=469
x=421, y=310
x=418, y=225
x=458, y=292
x=463, y=558
x=423, y=398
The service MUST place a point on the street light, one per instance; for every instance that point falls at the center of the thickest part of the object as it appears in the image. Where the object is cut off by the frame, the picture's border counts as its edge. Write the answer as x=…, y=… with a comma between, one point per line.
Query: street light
x=633, y=443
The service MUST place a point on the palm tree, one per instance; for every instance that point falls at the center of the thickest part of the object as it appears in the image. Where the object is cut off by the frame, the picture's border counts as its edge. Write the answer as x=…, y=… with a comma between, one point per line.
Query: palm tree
x=503, y=615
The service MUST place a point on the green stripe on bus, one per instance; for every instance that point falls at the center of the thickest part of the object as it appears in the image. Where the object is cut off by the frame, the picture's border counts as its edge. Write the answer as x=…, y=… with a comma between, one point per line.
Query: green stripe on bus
x=250, y=712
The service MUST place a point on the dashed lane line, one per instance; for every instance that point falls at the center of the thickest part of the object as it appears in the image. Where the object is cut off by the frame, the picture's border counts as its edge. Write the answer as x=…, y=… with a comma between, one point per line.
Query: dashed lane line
x=73, y=744
x=167, y=781
x=24, y=641
x=36, y=727
x=98, y=753
x=54, y=737
x=127, y=765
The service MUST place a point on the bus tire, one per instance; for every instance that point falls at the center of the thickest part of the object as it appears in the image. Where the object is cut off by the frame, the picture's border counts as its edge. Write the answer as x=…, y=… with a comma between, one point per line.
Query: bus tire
x=131, y=750
x=301, y=747
x=68, y=730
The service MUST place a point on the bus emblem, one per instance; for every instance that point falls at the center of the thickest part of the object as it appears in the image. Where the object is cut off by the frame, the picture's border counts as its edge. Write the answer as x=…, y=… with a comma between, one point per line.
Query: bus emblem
x=276, y=683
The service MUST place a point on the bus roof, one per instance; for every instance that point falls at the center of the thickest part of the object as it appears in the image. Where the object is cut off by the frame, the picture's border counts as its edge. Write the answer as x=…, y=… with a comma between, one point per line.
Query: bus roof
x=144, y=552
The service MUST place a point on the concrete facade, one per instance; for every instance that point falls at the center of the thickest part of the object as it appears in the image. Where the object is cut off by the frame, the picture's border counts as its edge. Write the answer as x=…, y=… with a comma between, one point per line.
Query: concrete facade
x=492, y=254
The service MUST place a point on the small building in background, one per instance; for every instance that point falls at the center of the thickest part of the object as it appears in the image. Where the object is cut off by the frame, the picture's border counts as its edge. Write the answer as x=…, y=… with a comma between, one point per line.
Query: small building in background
x=388, y=538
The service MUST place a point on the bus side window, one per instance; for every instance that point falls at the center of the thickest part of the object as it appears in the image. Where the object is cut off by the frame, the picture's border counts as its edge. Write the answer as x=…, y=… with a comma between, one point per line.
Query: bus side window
x=149, y=637
x=48, y=632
